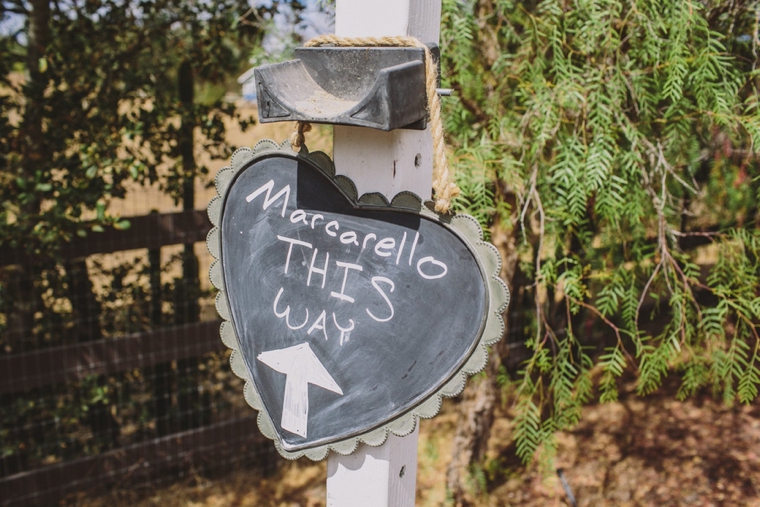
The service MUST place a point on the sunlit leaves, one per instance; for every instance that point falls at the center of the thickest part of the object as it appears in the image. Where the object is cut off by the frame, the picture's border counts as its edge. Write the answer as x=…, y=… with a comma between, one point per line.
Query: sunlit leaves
x=626, y=132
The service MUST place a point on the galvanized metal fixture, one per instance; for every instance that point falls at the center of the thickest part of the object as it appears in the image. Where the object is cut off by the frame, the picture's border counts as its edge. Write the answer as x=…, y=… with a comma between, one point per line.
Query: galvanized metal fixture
x=377, y=87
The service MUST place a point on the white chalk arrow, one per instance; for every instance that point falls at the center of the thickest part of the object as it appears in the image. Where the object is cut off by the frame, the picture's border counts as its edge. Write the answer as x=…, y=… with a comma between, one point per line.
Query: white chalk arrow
x=301, y=368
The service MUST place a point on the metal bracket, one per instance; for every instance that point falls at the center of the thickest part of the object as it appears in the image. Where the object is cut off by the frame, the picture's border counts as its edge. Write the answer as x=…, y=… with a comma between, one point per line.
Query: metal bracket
x=381, y=88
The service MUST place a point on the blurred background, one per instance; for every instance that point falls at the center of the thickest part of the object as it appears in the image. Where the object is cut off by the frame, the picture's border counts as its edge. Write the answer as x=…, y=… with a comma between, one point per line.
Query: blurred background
x=608, y=148
x=115, y=117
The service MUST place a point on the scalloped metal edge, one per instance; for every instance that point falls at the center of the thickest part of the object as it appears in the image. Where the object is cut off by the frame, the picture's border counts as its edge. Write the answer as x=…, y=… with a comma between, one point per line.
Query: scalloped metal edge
x=467, y=228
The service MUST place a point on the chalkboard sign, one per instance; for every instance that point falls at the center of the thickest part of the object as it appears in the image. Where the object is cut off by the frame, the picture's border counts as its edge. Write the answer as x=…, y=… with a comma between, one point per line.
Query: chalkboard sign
x=348, y=317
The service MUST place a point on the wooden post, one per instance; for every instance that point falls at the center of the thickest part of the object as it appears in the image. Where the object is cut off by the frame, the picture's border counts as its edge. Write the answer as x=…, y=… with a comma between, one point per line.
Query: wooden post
x=384, y=476
x=385, y=162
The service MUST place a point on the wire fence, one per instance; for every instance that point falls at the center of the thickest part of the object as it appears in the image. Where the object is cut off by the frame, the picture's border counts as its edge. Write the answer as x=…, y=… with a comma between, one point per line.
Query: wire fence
x=112, y=372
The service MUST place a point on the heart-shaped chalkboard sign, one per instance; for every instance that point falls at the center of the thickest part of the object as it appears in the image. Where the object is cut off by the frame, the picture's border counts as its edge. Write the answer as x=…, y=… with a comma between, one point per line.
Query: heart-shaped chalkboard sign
x=348, y=318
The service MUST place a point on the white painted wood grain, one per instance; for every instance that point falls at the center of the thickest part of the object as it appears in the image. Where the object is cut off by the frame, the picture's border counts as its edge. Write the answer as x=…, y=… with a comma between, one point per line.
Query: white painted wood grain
x=372, y=18
x=384, y=476
x=385, y=162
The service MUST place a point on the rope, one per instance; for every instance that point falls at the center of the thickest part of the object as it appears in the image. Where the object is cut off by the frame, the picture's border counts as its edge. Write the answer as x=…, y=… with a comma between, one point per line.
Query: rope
x=298, y=137
x=443, y=185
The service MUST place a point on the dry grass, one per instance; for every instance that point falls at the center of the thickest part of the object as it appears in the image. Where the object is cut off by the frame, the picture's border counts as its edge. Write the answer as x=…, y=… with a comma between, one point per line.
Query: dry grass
x=637, y=452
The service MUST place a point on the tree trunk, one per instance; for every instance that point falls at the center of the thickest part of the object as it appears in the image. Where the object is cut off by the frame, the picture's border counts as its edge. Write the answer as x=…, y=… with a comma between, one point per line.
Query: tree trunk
x=161, y=373
x=473, y=431
x=187, y=307
x=86, y=312
x=84, y=304
x=26, y=300
x=34, y=89
x=479, y=400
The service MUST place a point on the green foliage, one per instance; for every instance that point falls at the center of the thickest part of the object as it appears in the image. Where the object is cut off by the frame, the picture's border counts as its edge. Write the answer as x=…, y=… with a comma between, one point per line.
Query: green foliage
x=101, y=105
x=94, y=94
x=618, y=141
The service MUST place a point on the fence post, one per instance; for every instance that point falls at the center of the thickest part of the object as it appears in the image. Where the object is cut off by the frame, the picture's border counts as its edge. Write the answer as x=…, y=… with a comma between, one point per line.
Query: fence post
x=386, y=162
x=187, y=308
x=160, y=372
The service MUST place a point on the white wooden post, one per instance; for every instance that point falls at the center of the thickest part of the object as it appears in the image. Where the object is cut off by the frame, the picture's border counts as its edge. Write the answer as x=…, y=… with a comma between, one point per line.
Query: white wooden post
x=385, y=162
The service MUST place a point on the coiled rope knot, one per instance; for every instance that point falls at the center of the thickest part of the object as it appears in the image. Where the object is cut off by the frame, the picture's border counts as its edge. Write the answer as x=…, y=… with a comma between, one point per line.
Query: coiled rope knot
x=443, y=184
x=298, y=137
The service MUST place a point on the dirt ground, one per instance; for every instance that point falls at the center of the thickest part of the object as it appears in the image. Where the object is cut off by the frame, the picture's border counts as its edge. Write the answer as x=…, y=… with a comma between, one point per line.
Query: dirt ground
x=647, y=451
x=652, y=451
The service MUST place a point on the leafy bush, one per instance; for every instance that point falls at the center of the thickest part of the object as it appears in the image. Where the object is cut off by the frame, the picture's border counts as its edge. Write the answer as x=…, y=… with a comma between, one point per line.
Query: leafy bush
x=617, y=142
